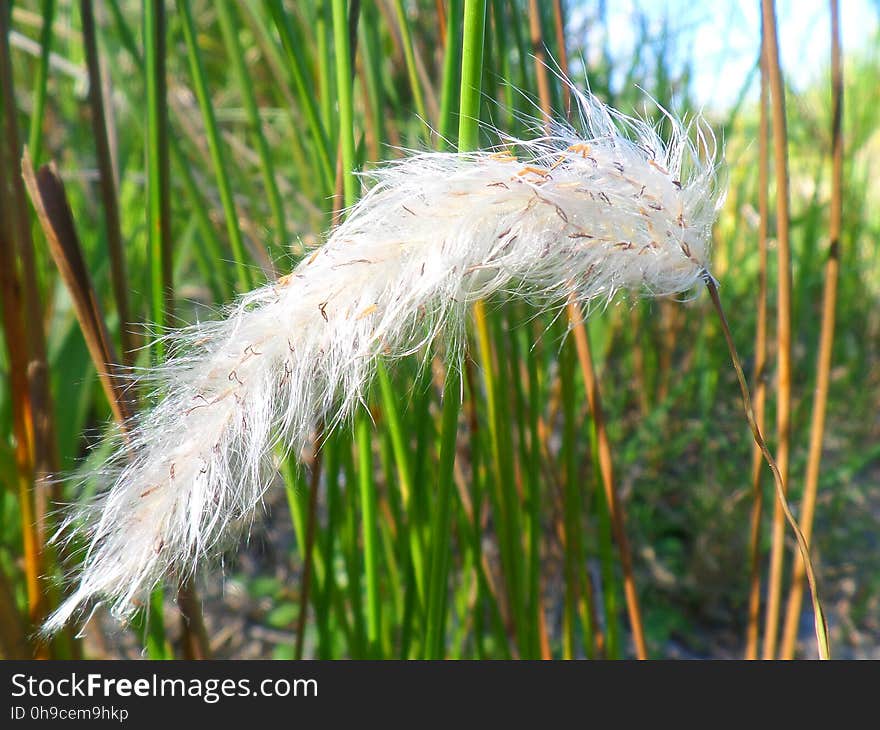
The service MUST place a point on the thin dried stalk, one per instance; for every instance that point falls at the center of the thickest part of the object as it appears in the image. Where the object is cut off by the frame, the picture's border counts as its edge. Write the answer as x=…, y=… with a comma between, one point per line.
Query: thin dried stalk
x=820, y=626
x=783, y=323
x=826, y=341
x=759, y=375
x=38, y=420
x=13, y=329
x=49, y=199
x=194, y=636
x=441, y=20
x=48, y=196
x=559, y=25
x=615, y=509
x=540, y=58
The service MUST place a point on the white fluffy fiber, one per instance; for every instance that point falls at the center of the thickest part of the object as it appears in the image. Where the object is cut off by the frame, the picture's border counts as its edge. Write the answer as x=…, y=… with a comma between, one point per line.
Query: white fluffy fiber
x=617, y=208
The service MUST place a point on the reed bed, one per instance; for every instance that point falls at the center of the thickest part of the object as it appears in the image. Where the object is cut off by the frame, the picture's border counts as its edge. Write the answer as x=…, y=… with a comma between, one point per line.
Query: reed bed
x=578, y=481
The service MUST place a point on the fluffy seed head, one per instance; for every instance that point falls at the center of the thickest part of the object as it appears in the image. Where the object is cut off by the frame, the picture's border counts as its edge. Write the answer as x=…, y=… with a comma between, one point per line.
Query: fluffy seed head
x=585, y=214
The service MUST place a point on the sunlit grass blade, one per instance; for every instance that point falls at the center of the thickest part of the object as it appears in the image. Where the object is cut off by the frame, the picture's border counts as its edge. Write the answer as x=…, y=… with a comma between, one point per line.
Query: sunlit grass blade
x=229, y=27
x=215, y=144
x=159, y=237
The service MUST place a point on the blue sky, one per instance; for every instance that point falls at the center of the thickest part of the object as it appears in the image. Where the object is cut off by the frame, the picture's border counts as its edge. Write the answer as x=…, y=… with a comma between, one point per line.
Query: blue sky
x=723, y=35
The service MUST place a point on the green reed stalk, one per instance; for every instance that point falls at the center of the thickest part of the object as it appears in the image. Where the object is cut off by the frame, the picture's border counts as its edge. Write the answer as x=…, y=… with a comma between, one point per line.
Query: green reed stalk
x=109, y=194
x=159, y=235
x=298, y=68
x=363, y=432
x=235, y=52
x=35, y=135
x=450, y=89
x=209, y=234
x=409, y=57
x=572, y=513
x=468, y=138
x=440, y=529
x=215, y=146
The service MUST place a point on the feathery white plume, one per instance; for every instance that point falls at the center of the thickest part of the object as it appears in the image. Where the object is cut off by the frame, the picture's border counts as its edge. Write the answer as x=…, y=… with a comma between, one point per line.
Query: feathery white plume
x=616, y=208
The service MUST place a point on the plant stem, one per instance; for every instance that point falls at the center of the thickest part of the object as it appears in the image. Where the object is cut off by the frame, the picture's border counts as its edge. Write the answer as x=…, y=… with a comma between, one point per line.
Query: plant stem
x=618, y=521
x=440, y=529
x=35, y=486
x=229, y=28
x=344, y=91
x=159, y=233
x=820, y=626
x=471, y=75
x=304, y=90
x=759, y=376
x=107, y=179
x=826, y=341
x=468, y=136
x=245, y=279
x=35, y=136
x=409, y=56
x=451, y=74
x=783, y=323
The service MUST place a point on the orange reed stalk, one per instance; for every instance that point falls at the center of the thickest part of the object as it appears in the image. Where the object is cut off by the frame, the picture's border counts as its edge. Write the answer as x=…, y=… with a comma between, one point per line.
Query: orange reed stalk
x=537, y=40
x=585, y=359
x=759, y=375
x=35, y=451
x=826, y=341
x=783, y=323
x=559, y=24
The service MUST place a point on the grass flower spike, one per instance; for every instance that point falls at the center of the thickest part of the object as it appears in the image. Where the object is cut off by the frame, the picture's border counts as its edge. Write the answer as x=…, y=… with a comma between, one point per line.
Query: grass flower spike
x=590, y=214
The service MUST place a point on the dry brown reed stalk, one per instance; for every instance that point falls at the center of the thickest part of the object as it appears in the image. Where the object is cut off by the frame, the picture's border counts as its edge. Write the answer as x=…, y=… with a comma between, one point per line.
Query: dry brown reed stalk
x=194, y=636
x=783, y=323
x=544, y=636
x=107, y=180
x=38, y=421
x=48, y=197
x=559, y=25
x=441, y=21
x=759, y=374
x=585, y=359
x=615, y=508
x=821, y=627
x=13, y=329
x=826, y=341
x=537, y=40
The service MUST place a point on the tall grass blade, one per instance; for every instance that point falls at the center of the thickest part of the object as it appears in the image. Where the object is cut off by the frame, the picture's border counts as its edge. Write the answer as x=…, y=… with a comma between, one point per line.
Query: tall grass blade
x=826, y=341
